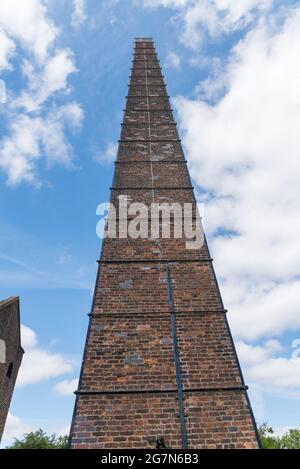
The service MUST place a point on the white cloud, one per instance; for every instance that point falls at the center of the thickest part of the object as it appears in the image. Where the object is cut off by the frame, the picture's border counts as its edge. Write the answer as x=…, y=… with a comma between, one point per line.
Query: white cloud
x=79, y=13
x=282, y=430
x=72, y=113
x=264, y=312
x=32, y=138
x=173, y=60
x=37, y=128
x=28, y=23
x=39, y=364
x=277, y=372
x=44, y=82
x=29, y=338
x=57, y=70
x=108, y=155
x=263, y=367
x=214, y=17
x=19, y=151
x=219, y=16
x=64, y=431
x=14, y=428
x=253, y=355
x=53, y=138
x=7, y=48
x=66, y=388
x=244, y=153
x=165, y=3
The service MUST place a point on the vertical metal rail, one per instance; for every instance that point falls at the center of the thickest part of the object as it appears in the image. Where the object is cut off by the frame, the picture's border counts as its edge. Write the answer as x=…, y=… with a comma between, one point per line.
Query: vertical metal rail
x=149, y=128
x=184, y=438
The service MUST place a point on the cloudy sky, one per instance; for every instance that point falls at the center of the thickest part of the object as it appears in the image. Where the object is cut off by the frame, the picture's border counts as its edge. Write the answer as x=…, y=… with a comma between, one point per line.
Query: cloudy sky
x=232, y=69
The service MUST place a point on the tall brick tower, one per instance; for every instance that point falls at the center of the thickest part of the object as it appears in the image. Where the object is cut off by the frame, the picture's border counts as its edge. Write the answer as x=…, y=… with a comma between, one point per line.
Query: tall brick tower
x=159, y=368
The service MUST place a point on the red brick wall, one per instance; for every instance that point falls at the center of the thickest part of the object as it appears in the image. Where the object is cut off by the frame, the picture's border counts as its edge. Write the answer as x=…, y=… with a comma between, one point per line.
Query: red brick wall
x=219, y=420
x=126, y=421
x=133, y=351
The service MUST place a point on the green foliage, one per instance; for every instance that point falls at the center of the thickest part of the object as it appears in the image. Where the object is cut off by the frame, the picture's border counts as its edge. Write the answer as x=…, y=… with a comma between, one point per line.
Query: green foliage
x=290, y=440
x=40, y=440
x=267, y=438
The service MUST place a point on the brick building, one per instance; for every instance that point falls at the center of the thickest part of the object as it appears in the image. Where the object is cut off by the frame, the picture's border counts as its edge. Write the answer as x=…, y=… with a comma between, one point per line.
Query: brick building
x=160, y=367
x=11, y=353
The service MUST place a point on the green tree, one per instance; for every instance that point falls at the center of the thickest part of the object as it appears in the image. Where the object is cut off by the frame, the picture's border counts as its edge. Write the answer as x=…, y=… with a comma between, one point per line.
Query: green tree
x=267, y=438
x=40, y=440
x=290, y=439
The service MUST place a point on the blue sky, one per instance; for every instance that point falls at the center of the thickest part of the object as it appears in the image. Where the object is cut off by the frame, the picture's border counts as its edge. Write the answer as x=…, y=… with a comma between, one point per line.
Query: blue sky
x=231, y=69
